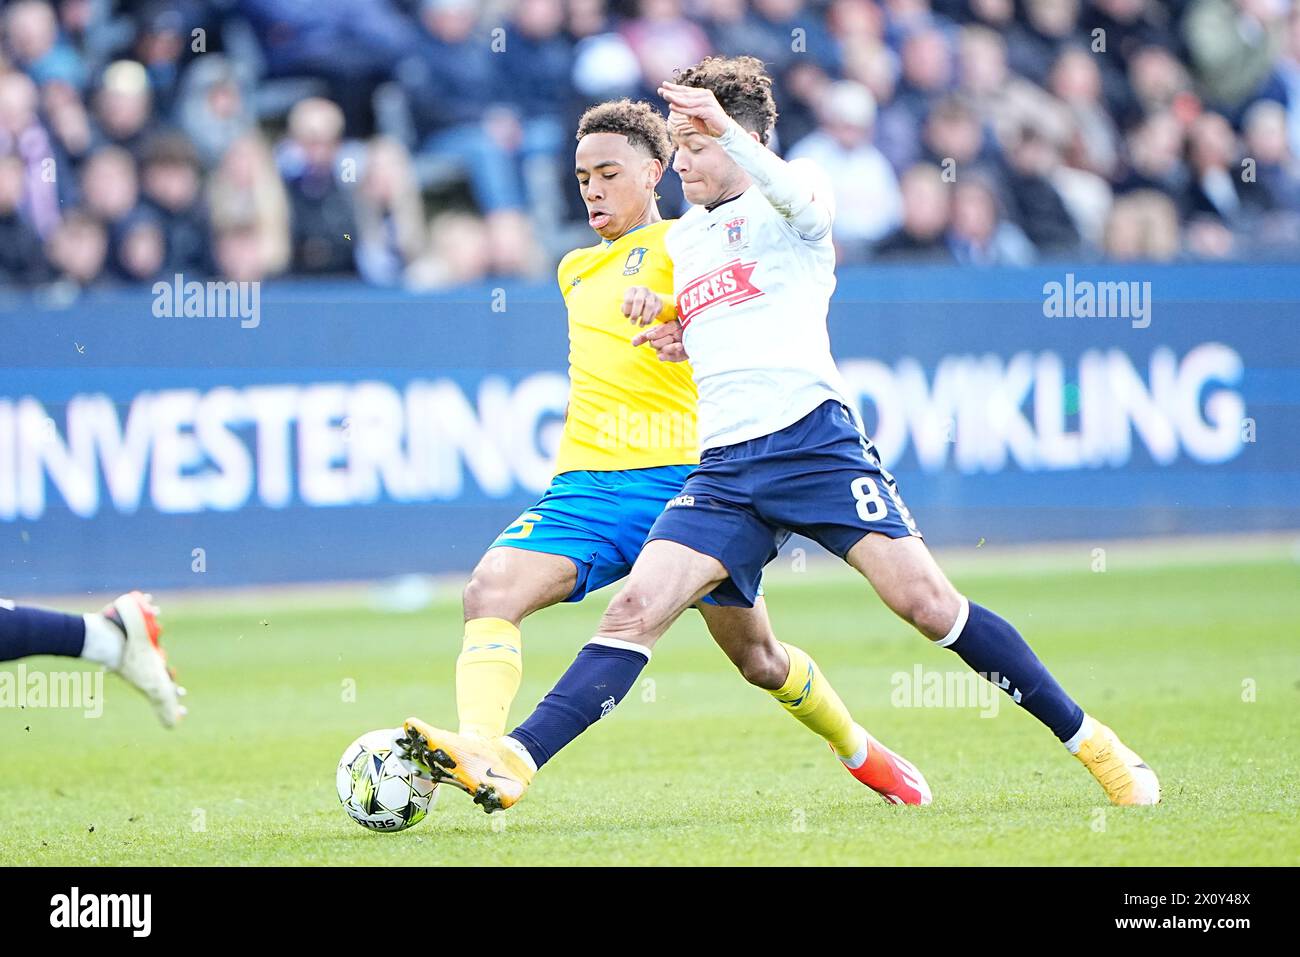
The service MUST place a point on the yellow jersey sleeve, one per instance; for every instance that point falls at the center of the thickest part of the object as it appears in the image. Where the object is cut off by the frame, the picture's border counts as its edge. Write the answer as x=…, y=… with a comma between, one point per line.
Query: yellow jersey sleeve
x=627, y=410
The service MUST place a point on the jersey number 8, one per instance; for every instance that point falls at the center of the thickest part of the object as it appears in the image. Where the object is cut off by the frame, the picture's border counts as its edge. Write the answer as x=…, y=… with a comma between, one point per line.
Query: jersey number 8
x=871, y=506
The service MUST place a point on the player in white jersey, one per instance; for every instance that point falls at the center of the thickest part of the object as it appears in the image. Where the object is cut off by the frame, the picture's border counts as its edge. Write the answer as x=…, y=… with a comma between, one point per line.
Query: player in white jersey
x=782, y=449
x=755, y=289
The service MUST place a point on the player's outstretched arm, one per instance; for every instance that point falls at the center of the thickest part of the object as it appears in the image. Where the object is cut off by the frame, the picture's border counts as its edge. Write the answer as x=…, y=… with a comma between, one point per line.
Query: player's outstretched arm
x=791, y=188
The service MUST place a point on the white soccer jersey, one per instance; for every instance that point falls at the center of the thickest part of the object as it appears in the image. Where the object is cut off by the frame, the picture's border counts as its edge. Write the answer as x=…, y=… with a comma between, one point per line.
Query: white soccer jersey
x=752, y=296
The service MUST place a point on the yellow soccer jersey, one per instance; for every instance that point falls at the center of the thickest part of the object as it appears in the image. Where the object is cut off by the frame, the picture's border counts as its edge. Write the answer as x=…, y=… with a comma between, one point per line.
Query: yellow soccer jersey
x=627, y=410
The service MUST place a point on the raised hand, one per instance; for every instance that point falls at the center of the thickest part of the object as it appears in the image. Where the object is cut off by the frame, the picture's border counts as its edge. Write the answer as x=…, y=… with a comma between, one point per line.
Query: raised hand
x=700, y=106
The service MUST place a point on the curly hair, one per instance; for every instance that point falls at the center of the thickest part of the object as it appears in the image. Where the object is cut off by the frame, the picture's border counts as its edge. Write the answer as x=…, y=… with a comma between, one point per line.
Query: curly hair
x=643, y=125
x=742, y=87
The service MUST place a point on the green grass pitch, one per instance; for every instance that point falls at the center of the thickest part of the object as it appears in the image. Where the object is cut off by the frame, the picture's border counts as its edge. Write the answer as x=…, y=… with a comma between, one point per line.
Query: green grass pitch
x=1194, y=658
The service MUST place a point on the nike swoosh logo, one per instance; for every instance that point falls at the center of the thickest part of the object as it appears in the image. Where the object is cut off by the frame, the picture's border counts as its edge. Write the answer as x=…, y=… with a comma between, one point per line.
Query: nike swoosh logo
x=500, y=777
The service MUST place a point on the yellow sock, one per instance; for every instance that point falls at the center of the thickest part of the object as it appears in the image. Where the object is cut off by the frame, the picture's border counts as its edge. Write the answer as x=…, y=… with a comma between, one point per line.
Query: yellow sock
x=808, y=696
x=488, y=673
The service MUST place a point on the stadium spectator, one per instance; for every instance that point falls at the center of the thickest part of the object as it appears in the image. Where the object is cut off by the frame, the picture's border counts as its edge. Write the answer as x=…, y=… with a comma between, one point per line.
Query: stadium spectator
x=161, y=44
x=239, y=251
x=1034, y=203
x=1035, y=45
x=867, y=199
x=1113, y=93
x=1142, y=226
x=349, y=44
x=926, y=75
x=110, y=188
x=78, y=250
x=21, y=261
x=459, y=252
x=868, y=61
x=1217, y=189
x=806, y=85
x=587, y=18
x=390, y=214
x=250, y=210
x=142, y=249
x=735, y=30
x=450, y=80
x=786, y=33
x=1289, y=78
x=1076, y=81
x=1003, y=102
x=172, y=186
x=1087, y=196
x=537, y=109
x=1233, y=45
x=998, y=14
x=123, y=105
x=920, y=238
x=1157, y=82
x=1275, y=165
x=979, y=235
x=1207, y=237
x=905, y=16
x=23, y=136
x=1126, y=26
x=854, y=21
x=32, y=34
x=320, y=209
x=604, y=66
x=953, y=137
x=460, y=99
x=1155, y=156
x=663, y=40
x=213, y=106
x=68, y=121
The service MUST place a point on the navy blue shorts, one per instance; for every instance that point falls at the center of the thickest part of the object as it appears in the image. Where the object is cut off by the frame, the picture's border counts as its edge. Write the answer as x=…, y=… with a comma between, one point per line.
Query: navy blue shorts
x=820, y=477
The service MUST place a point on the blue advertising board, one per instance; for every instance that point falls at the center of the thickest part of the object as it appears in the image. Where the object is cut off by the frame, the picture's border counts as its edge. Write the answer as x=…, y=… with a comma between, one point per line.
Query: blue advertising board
x=309, y=432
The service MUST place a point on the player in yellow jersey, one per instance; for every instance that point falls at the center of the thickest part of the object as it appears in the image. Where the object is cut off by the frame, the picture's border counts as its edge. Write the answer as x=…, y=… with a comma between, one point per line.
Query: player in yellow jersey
x=629, y=443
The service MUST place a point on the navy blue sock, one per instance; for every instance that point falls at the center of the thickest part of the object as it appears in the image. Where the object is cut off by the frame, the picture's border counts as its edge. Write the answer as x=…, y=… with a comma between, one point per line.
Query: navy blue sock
x=992, y=646
x=26, y=631
x=596, y=681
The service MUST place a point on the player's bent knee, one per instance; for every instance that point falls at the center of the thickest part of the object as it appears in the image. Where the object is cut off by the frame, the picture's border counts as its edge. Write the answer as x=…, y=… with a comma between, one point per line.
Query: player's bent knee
x=934, y=610
x=764, y=666
x=627, y=617
x=488, y=596
x=930, y=605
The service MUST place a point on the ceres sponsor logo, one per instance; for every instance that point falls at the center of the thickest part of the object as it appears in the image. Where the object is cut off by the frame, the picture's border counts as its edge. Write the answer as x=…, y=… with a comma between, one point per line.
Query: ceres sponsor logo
x=729, y=283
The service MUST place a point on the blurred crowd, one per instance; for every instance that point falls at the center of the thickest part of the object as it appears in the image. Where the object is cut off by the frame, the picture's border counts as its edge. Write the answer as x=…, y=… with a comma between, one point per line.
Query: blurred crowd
x=426, y=143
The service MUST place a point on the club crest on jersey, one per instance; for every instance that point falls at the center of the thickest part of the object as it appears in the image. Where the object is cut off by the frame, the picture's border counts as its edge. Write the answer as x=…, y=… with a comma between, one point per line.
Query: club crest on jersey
x=735, y=236
x=632, y=265
x=728, y=283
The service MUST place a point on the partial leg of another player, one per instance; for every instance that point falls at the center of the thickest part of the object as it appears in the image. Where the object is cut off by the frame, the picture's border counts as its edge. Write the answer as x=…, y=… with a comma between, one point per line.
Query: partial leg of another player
x=507, y=586
x=666, y=580
x=790, y=675
x=123, y=638
x=908, y=580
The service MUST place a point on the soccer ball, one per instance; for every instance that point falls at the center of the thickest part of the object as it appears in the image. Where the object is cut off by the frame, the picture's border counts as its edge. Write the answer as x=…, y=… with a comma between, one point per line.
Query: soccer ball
x=376, y=789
